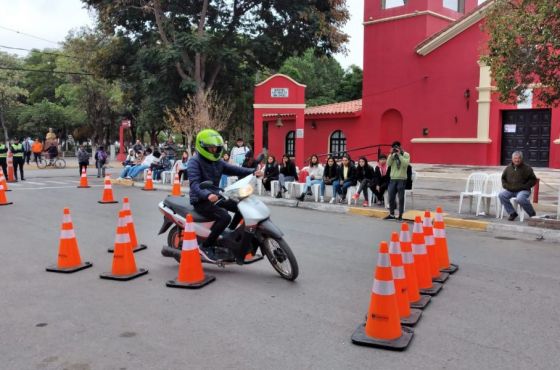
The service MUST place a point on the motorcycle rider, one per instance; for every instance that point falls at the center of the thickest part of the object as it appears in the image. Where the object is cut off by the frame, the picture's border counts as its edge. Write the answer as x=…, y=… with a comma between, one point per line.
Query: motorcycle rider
x=207, y=165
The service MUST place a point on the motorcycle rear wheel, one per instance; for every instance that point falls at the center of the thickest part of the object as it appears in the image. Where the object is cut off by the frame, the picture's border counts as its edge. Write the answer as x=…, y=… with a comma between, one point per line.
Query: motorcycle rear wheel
x=175, y=239
x=281, y=257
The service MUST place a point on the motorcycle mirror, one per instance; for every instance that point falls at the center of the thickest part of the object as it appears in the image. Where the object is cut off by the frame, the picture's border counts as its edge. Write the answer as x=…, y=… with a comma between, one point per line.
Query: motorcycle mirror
x=206, y=185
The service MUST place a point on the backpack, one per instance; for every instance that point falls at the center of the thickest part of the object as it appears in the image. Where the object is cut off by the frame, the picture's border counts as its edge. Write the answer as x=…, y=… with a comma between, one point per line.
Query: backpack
x=102, y=156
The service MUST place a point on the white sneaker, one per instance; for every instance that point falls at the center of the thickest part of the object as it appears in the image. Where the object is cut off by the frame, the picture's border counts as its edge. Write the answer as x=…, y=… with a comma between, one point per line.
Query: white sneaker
x=332, y=200
x=322, y=199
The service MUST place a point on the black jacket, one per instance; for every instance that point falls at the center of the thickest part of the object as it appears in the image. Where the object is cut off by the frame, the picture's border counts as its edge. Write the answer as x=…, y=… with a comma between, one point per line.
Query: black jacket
x=518, y=178
x=364, y=173
x=379, y=180
x=289, y=169
x=351, y=175
x=271, y=171
x=330, y=174
x=200, y=169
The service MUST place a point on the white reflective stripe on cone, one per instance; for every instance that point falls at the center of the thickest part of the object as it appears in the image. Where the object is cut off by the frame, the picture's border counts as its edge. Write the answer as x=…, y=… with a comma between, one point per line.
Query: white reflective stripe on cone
x=417, y=228
x=394, y=248
x=398, y=272
x=404, y=237
x=383, y=260
x=439, y=217
x=129, y=219
x=66, y=219
x=189, y=245
x=407, y=258
x=427, y=222
x=381, y=287
x=126, y=206
x=107, y=186
x=439, y=233
x=67, y=234
x=419, y=249
x=429, y=239
x=122, y=238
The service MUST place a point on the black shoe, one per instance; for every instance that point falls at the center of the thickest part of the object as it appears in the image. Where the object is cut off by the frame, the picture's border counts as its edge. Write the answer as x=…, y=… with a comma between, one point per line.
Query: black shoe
x=301, y=197
x=284, y=188
x=207, y=254
x=399, y=219
x=279, y=194
x=390, y=217
x=533, y=214
x=513, y=216
x=309, y=192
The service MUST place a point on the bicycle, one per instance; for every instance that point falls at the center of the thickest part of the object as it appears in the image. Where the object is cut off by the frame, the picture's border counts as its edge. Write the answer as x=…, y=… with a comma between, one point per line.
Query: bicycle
x=51, y=162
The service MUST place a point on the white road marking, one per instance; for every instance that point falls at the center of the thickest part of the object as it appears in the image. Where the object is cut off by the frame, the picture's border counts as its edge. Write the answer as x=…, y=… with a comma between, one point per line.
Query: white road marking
x=35, y=183
x=56, y=182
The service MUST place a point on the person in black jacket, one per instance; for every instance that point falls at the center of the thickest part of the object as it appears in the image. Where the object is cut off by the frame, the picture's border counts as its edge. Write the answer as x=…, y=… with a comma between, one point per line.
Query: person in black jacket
x=381, y=179
x=346, y=178
x=271, y=172
x=249, y=161
x=330, y=174
x=364, y=177
x=287, y=173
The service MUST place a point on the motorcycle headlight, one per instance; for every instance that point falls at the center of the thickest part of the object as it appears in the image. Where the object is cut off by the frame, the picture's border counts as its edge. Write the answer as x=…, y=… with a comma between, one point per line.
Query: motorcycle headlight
x=241, y=190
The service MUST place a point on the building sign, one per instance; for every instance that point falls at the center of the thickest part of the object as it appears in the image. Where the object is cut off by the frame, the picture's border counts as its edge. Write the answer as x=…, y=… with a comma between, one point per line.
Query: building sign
x=279, y=92
x=299, y=133
x=510, y=128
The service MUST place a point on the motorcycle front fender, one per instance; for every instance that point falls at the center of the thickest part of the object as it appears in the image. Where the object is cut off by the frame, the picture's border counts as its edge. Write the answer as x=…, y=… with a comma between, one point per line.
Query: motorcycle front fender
x=267, y=227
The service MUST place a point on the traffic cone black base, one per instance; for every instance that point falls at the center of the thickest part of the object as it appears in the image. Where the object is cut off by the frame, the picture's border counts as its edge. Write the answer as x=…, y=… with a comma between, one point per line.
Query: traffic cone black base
x=83, y=187
x=451, y=269
x=175, y=284
x=255, y=258
x=109, y=276
x=148, y=189
x=434, y=290
x=413, y=318
x=6, y=204
x=101, y=202
x=139, y=247
x=360, y=338
x=421, y=303
x=441, y=278
x=83, y=266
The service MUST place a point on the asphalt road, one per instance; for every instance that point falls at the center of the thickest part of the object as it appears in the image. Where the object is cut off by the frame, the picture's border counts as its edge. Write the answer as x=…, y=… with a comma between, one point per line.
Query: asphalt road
x=499, y=311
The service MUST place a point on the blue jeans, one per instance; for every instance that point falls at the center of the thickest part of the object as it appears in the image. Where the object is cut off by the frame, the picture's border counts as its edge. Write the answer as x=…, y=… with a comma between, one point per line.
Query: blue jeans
x=223, y=181
x=125, y=171
x=522, y=198
x=136, y=170
x=396, y=187
x=341, y=189
x=309, y=183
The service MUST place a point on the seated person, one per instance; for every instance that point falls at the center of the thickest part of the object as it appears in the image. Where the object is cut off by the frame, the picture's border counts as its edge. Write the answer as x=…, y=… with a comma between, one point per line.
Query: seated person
x=52, y=152
x=146, y=163
x=125, y=173
x=315, y=176
x=271, y=172
x=517, y=179
x=163, y=165
x=381, y=179
x=364, y=178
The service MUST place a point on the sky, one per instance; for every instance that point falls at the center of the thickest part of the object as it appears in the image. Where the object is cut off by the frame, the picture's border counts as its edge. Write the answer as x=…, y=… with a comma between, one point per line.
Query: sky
x=52, y=20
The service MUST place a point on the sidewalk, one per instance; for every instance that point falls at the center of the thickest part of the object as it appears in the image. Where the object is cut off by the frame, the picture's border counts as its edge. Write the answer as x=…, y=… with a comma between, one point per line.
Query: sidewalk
x=440, y=186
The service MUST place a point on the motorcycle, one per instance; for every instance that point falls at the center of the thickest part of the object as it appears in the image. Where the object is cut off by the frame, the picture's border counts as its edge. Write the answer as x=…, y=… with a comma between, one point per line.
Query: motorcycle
x=256, y=231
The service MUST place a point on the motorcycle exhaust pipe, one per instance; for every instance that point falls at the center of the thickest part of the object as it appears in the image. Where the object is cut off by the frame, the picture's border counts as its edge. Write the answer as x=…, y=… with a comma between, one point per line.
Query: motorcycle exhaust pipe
x=168, y=251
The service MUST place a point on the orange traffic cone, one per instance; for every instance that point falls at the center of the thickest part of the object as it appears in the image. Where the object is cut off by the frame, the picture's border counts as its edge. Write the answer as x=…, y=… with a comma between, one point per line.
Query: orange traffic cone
x=131, y=229
x=11, y=177
x=3, y=180
x=416, y=300
x=441, y=244
x=408, y=316
x=437, y=276
x=176, y=187
x=191, y=275
x=422, y=261
x=83, y=180
x=149, y=184
x=124, y=264
x=107, y=192
x=3, y=199
x=68, y=252
x=383, y=328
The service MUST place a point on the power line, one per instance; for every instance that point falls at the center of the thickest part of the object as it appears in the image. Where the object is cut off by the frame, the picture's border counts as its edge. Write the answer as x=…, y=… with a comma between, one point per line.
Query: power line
x=47, y=71
x=29, y=35
x=42, y=52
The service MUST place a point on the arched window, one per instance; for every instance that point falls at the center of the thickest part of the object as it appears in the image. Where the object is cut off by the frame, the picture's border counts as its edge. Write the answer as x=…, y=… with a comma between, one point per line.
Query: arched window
x=291, y=144
x=337, y=146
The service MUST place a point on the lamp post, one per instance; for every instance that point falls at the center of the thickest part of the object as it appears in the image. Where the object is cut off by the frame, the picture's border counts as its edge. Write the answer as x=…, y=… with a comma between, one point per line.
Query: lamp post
x=125, y=123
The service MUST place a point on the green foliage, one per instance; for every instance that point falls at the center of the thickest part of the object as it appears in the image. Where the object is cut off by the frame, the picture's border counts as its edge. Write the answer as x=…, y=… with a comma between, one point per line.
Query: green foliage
x=325, y=80
x=41, y=85
x=524, y=48
x=12, y=92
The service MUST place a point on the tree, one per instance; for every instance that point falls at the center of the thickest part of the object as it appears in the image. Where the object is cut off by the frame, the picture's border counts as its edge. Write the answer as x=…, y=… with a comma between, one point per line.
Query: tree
x=207, y=40
x=192, y=117
x=350, y=87
x=524, y=49
x=11, y=91
x=42, y=85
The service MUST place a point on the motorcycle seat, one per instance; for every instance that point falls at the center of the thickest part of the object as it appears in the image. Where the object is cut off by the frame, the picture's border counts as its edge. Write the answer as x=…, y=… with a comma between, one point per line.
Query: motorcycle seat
x=181, y=206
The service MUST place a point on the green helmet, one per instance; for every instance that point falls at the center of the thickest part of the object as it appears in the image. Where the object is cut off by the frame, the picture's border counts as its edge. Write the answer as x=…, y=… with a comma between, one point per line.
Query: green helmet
x=206, y=138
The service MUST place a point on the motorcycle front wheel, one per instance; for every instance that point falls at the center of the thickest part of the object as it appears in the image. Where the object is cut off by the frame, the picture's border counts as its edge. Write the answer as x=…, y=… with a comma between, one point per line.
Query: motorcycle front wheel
x=281, y=257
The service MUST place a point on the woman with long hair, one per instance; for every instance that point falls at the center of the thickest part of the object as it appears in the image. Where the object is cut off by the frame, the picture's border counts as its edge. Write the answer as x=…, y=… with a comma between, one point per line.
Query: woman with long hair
x=287, y=173
x=271, y=172
x=315, y=170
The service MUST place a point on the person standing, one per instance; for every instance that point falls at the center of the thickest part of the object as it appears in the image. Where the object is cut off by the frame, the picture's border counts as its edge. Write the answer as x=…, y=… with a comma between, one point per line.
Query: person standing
x=83, y=158
x=37, y=149
x=238, y=152
x=100, y=161
x=399, y=161
x=517, y=179
x=27, y=149
x=170, y=149
x=17, y=150
x=4, y=158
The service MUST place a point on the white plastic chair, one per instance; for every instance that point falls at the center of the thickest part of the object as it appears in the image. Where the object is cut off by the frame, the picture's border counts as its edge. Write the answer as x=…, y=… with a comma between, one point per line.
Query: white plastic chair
x=517, y=208
x=473, y=188
x=490, y=191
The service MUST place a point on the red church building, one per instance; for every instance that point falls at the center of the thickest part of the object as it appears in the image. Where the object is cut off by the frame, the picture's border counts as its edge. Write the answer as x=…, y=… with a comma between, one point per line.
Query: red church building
x=424, y=85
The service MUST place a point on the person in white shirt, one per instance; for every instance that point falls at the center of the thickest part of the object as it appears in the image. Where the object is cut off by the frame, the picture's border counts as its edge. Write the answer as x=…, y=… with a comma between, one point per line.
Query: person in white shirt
x=315, y=171
x=148, y=160
x=237, y=155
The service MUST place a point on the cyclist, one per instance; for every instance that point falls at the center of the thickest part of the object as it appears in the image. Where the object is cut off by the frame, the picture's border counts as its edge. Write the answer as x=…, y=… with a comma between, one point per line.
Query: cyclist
x=206, y=165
